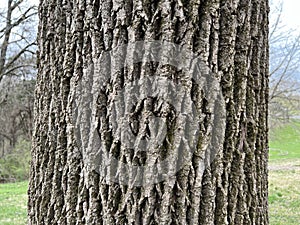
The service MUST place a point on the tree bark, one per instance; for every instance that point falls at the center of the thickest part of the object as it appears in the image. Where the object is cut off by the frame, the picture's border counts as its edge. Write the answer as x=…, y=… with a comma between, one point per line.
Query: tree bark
x=224, y=185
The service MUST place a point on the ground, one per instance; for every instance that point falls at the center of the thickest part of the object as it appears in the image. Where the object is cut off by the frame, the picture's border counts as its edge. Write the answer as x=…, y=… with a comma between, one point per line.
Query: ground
x=284, y=174
x=13, y=203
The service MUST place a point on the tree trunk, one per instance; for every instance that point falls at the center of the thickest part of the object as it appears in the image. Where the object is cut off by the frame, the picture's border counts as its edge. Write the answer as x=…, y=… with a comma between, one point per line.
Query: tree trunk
x=129, y=130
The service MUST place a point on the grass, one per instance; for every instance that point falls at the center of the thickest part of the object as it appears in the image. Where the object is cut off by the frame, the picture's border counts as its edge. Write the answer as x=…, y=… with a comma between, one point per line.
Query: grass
x=285, y=141
x=284, y=182
x=284, y=174
x=284, y=192
x=13, y=203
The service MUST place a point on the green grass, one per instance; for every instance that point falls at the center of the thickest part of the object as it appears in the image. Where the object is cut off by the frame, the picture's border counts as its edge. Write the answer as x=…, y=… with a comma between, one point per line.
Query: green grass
x=284, y=174
x=13, y=203
x=284, y=192
x=285, y=141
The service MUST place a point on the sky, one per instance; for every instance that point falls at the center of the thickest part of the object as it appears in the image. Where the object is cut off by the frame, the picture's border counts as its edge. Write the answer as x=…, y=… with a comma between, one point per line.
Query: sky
x=291, y=15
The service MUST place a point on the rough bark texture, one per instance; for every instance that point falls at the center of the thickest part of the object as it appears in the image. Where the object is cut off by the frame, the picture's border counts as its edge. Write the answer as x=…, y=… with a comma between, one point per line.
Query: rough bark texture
x=231, y=37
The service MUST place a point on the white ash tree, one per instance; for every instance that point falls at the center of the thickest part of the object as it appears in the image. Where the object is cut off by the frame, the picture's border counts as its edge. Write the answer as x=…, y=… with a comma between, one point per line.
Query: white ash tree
x=151, y=112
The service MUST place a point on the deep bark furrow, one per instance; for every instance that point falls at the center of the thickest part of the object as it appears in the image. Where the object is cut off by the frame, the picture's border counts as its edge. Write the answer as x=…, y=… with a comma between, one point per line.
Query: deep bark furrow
x=226, y=184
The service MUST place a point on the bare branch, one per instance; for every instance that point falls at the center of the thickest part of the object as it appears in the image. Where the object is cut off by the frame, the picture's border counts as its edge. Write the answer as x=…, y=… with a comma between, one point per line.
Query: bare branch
x=285, y=64
x=17, y=56
x=9, y=37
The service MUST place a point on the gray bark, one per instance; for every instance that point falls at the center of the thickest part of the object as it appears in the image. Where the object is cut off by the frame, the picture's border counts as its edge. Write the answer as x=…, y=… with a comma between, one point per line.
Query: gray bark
x=225, y=186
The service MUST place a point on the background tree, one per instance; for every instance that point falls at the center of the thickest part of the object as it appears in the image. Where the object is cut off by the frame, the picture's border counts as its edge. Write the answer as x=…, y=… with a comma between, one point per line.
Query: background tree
x=16, y=110
x=228, y=187
x=16, y=29
x=284, y=68
x=17, y=69
x=17, y=79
